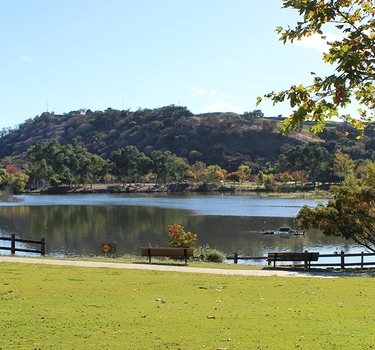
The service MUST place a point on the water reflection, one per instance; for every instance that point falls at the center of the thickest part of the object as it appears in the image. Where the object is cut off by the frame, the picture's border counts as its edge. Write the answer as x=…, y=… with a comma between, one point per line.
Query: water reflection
x=198, y=204
x=78, y=225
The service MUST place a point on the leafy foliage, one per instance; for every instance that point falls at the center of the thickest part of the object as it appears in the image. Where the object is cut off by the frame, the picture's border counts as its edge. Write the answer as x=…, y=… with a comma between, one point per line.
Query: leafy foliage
x=14, y=179
x=179, y=238
x=18, y=181
x=69, y=164
x=72, y=164
x=310, y=158
x=128, y=163
x=352, y=57
x=349, y=214
x=208, y=254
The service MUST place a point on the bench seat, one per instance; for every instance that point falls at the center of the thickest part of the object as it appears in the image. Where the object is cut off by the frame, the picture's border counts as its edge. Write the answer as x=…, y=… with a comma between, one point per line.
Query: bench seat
x=306, y=257
x=182, y=253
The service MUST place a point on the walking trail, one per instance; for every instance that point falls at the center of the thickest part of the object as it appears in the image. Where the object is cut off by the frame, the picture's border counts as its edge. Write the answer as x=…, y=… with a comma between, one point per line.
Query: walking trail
x=170, y=268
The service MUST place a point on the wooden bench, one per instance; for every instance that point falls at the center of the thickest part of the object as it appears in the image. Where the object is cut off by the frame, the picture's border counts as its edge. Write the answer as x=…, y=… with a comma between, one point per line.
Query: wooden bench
x=306, y=257
x=181, y=253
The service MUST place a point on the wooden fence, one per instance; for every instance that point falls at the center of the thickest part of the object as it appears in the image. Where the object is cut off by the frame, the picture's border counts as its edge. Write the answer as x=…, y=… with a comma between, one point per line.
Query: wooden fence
x=340, y=260
x=13, y=248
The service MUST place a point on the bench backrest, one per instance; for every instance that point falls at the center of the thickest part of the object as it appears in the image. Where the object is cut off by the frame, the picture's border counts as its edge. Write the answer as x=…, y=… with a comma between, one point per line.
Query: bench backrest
x=159, y=251
x=291, y=256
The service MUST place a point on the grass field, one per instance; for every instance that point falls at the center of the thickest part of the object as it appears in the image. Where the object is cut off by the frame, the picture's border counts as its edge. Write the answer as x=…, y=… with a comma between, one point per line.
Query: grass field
x=58, y=307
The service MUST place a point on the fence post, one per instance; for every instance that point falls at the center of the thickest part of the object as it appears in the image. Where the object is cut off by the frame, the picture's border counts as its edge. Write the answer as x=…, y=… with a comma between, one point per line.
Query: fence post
x=362, y=260
x=342, y=256
x=43, y=247
x=13, y=244
x=235, y=258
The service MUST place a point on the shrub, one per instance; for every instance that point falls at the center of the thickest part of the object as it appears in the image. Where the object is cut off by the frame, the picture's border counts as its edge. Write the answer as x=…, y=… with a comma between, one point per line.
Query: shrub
x=179, y=238
x=215, y=256
x=208, y=254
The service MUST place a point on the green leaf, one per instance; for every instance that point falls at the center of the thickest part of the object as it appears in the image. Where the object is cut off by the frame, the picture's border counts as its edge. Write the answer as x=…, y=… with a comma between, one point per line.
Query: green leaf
x=352, y=59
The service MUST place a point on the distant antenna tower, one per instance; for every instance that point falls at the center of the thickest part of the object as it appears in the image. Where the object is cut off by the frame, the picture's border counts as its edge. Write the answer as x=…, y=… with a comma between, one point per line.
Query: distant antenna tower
x=47, y=106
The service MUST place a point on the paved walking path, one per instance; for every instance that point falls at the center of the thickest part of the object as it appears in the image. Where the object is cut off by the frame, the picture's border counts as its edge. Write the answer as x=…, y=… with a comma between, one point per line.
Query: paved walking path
x=172, y=268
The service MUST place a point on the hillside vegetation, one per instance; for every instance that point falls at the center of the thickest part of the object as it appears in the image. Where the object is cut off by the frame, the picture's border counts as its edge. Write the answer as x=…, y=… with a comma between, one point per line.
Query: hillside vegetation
x=225, y=139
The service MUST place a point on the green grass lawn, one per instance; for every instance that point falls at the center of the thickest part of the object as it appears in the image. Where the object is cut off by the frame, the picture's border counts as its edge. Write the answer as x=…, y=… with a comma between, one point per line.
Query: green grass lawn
x=56, y=307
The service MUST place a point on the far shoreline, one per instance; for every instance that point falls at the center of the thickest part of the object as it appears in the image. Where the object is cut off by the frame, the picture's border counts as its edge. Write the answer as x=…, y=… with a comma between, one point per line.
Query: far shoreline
x=172, y=188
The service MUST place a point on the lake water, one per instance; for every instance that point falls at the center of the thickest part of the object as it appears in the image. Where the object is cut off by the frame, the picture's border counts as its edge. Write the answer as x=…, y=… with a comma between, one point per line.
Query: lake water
x=78, y=225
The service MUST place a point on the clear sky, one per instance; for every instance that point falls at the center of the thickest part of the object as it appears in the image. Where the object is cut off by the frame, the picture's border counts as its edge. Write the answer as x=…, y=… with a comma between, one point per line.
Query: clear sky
x=207, y=55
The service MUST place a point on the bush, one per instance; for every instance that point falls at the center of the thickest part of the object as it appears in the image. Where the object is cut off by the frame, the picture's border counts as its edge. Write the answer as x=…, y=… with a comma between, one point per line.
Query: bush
x=208, y=254
x=179, y=238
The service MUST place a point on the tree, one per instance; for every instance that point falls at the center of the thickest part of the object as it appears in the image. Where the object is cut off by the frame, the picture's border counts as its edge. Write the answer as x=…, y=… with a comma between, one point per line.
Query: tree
x=45, y=160
x=144, y=166
x=159, y=165
x=194, y=155
x=244, y=172
x=198, y=169
x=215, y=173
x=349, y=214
x=352, y=59
x=315, y=159
x=127, y=163
x=43, y=170
x=289, y=162
x=178, y=168
x=18, y=181
x=3, y=176
x=251, y=116
x=179, y=238
x=168, y=167
x=235, y=177
x=285, y=177
x=74, y=164
x=70, y=164
x=311, y=158
x=269, y=182
x=260, y=178
x=343, y=164
x=369, y=178
x=97, y=168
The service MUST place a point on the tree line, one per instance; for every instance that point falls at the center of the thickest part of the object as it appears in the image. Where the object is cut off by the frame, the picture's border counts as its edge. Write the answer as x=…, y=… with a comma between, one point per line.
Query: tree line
x=297, y=167
x=73, y=165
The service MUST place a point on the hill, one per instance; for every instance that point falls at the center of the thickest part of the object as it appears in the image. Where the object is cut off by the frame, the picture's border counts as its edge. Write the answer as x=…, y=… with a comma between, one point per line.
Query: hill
x=225, y=139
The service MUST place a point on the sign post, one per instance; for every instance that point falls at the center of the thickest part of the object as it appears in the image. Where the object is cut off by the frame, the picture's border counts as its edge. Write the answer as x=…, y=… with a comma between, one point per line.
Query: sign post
x=109, y=248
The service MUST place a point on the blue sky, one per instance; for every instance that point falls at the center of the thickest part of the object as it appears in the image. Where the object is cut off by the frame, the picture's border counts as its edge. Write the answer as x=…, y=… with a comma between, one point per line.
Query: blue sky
x=207, y=55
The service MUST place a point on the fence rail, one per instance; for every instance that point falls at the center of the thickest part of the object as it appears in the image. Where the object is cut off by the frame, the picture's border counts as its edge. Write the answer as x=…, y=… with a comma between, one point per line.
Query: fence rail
x=13, y=248
x=341, y=260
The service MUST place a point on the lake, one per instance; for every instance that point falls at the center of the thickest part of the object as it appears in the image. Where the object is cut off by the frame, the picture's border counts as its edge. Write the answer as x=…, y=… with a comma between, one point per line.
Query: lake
x=78, y=224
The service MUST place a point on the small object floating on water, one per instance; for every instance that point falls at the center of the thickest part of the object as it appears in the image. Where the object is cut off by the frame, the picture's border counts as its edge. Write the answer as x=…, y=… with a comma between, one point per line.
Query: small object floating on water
x=284, y=231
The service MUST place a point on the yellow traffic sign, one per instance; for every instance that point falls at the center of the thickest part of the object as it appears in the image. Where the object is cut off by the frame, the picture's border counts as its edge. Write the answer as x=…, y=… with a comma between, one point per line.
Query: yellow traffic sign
x=106, y=248
x=109, y=248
